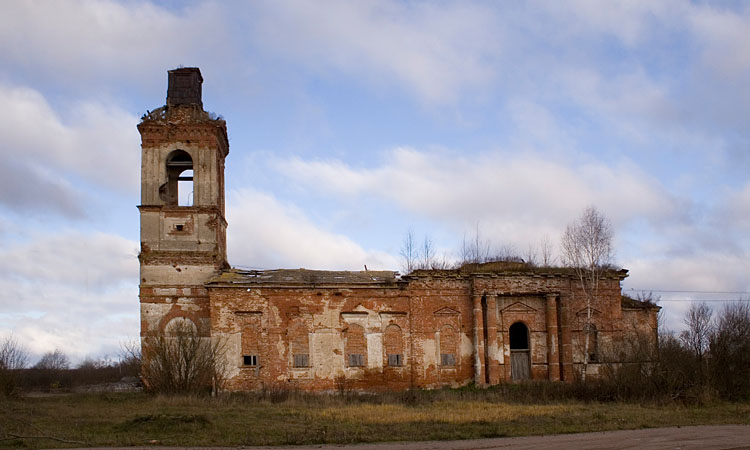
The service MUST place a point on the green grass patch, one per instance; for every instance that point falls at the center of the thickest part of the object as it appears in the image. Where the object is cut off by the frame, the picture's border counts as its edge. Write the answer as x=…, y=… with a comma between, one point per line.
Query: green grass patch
x=255, y=419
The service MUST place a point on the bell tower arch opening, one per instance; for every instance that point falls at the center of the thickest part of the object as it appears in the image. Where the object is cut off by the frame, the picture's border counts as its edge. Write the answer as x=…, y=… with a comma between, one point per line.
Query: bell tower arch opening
x=178, y=190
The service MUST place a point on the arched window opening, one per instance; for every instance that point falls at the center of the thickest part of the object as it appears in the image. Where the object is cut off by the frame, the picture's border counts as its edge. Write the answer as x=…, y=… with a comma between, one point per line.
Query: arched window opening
x=519, y=336
x=593, y=336
x=356, y=346
x=178, y=190
x=394, y=345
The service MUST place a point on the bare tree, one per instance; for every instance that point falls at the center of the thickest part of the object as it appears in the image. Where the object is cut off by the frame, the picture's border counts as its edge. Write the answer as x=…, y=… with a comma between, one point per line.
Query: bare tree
x=532, y=257
x=475, y=249
x=729, y=352
x=428, y=254
x=409, y=252
x=13, y=357
x=587, y=248
x=56, y=360
x=546, y=252
x=696, y=336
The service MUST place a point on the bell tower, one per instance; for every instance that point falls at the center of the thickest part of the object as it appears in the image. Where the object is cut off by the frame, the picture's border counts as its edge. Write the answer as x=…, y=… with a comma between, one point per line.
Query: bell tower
x=183, y=228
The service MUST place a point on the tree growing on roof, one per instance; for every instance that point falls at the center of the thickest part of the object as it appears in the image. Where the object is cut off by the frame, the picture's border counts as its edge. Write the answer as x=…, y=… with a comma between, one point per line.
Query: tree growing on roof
x=587, y=248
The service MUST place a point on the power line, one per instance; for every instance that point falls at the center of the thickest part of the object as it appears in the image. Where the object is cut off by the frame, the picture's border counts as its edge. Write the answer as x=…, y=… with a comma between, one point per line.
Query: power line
x=678, y=291
x=703, y=300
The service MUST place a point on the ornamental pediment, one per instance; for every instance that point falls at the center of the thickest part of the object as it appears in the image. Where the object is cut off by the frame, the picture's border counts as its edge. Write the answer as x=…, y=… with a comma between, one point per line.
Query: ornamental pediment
x=518, y=307
x=446, y=311
x=594, y=312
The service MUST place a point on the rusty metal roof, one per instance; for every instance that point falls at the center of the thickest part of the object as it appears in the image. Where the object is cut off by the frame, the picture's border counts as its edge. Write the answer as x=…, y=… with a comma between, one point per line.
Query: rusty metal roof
x=303, y=277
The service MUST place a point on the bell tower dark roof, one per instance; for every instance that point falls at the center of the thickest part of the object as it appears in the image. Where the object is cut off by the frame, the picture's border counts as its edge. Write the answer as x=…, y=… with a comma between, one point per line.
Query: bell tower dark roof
x=185, y=87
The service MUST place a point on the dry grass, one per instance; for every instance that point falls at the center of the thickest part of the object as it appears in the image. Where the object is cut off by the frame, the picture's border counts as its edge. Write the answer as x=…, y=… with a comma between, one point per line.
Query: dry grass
x=139, y=419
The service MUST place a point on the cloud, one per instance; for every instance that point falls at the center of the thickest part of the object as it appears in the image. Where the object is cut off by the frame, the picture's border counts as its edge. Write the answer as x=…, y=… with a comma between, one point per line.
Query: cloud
x=73, y=290
x=436, y=51
x=517, y=197
x=87, y=141
x=87, y=43
x=31, y=191
x=710, y=275
x=266, y=233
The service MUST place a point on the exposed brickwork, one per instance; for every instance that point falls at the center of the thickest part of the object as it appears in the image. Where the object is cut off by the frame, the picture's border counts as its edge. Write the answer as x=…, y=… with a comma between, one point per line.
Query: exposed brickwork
x=371, y=330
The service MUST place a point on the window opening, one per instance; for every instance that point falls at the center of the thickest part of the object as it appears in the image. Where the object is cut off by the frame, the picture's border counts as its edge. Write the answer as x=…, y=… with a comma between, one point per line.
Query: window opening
x=185, y=188
x=519, y=336
x=593, y=334
x=448, y=346
x=302, y=360
x=356, y=346
x=447, y=359
x=394, y=345
x=250, y=360
x=178, y=190
x=356, y=360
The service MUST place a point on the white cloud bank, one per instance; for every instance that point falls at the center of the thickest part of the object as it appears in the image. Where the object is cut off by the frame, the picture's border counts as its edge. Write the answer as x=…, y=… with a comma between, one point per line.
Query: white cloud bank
x=266, y=233
x=70, y=290
x=516, y=197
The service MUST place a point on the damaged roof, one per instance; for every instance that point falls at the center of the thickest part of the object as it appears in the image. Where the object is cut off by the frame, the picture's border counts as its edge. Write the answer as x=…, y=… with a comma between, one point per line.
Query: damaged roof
x=510, y=268
x=303, y=277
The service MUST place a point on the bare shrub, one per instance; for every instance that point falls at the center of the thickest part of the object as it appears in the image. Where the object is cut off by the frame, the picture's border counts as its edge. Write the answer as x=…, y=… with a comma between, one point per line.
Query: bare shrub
x=130, y=359
x=183, y=362
x=729, y=351
x=13, y=358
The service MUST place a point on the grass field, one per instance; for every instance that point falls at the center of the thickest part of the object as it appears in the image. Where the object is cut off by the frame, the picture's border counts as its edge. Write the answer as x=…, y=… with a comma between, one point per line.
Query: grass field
x=254, y=419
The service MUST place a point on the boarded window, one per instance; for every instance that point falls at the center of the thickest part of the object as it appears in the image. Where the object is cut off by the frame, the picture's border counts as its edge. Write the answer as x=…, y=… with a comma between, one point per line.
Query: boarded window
x=448, y=346
x=447, y=359
x=356, y=360
x=301, y=360
x=300, y=342
x=394, y=345
x=356, y=346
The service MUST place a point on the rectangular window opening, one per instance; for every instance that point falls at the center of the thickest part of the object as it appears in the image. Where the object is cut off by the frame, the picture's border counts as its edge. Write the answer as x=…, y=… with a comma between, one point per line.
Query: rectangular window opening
x=302, y=360
x=179, y=227
x=250, y=360
x=447, y=359
x=395, y=360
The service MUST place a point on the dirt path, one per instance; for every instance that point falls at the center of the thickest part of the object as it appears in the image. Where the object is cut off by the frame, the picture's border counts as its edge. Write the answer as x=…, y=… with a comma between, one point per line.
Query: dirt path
x=683, y=438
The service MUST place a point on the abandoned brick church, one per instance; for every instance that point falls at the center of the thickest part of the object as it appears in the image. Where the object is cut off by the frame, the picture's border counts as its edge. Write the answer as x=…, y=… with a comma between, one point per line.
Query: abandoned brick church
x=375, y=330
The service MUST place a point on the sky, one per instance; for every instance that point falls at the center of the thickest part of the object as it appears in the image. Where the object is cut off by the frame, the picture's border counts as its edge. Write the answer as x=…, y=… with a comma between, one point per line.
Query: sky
x=351, y=123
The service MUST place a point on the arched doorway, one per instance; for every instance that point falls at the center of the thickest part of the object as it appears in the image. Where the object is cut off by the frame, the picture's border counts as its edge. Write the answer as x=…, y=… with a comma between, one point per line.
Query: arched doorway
x=520, y=364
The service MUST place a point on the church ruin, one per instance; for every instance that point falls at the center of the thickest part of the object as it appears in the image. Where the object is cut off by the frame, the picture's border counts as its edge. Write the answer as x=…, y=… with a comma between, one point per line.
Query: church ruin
x=373, y=330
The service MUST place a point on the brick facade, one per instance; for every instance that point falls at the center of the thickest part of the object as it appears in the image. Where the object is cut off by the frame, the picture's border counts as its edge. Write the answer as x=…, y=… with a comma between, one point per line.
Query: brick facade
x=369, y=330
